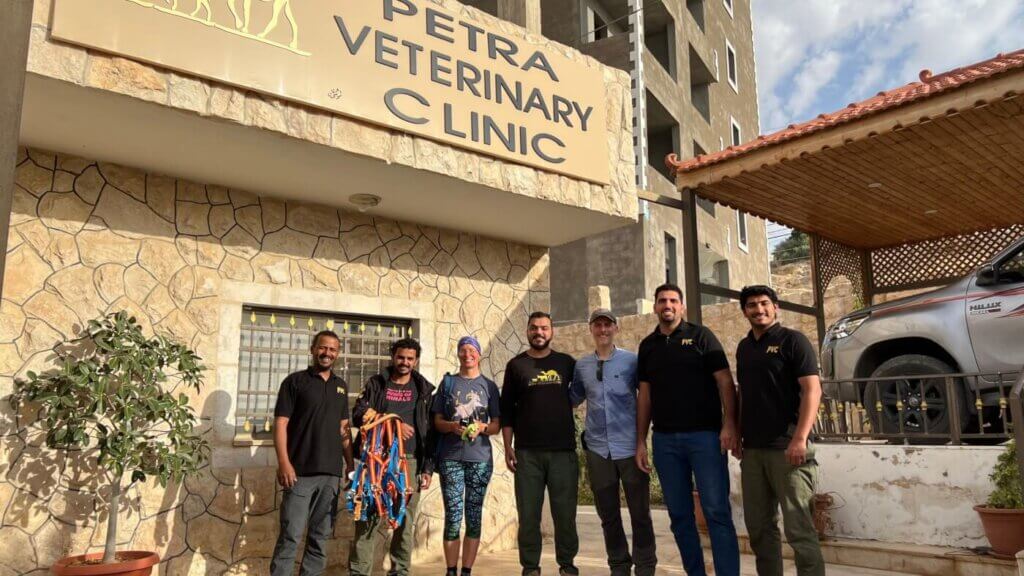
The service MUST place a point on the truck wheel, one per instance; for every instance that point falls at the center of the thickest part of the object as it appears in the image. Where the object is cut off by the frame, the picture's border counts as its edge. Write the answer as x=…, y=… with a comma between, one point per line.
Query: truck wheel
x=926, y=406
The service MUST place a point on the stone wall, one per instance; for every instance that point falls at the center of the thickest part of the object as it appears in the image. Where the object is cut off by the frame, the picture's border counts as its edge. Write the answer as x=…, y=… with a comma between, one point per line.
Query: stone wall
x=792, y=282
x=89, y=238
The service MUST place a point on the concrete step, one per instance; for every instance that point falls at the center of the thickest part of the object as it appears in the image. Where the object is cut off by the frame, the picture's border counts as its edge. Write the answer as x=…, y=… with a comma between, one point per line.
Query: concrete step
x=899, y=558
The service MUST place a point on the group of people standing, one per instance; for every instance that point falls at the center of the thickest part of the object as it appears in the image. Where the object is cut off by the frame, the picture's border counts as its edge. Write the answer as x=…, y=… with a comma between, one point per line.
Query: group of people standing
x=679, y=383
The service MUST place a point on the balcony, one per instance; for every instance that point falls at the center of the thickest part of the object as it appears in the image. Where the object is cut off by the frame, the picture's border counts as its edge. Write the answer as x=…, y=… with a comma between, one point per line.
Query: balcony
x=611, y=51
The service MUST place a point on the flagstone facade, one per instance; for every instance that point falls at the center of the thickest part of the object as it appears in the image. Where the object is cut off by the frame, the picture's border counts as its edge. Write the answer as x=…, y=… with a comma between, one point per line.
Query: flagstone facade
x=88, y=238
x=132, y=226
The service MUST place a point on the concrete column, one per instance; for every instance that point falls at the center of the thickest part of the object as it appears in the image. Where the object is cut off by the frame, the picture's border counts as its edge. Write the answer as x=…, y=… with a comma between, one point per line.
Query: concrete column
x=525, y=13
x=15, y=24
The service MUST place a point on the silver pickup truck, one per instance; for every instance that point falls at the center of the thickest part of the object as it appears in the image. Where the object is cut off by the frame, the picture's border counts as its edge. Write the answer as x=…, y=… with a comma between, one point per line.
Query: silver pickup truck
x=975, y=325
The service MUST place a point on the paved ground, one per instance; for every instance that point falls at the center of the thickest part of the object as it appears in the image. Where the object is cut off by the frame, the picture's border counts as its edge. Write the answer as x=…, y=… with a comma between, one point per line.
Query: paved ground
x=592, y=561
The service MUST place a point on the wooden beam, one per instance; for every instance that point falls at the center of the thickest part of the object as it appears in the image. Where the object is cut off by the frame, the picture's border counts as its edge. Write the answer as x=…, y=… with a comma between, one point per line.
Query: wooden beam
x=661, y=199
x=818, y=289
x=867, y=276
x=15, y=25
x=722, y=292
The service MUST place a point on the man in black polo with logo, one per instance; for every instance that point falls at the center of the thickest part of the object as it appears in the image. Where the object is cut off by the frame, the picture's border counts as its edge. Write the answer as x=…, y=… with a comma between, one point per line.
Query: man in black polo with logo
x=314, y=450
x=686, y=388
x=780, y=391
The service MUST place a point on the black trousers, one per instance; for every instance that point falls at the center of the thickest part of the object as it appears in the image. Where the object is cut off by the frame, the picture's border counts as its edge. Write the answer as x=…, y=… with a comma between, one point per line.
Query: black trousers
x=606, y=476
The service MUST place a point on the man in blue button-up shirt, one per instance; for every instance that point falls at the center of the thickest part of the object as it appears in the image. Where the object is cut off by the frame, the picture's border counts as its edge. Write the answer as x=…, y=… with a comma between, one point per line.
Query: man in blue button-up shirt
x=607, y=380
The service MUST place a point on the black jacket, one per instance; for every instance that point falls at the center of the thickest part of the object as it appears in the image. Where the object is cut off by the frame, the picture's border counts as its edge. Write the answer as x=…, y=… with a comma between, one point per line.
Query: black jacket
x=373, y=396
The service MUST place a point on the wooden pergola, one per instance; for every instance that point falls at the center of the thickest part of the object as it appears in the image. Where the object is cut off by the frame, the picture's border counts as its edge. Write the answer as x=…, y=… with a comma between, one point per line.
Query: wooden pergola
x=911, y=188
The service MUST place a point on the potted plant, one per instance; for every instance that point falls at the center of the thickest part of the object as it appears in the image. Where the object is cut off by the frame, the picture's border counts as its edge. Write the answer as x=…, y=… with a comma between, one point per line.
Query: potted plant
x=1002, y=516
x=113, y=395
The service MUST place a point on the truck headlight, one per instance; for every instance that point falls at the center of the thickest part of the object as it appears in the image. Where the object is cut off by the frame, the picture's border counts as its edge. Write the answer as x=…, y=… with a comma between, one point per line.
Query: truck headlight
x=845, y=327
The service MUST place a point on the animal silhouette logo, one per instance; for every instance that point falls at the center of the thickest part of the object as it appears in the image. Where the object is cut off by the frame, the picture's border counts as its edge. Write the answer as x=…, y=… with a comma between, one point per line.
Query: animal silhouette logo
x=241, y=11
x=546, y=377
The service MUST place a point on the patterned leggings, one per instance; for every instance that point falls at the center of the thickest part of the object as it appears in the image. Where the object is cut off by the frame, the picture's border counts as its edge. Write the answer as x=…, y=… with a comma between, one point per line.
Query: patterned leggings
x=464, y=480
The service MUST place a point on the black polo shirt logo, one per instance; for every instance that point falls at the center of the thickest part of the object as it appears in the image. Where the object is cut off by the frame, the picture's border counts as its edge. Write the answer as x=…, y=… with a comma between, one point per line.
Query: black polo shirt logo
x=686, y=342
x=341, y=390
x=773, y=350
x=546, y=377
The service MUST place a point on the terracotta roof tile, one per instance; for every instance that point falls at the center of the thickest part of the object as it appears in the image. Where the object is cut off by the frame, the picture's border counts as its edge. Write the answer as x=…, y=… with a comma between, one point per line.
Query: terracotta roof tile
x=927, y=86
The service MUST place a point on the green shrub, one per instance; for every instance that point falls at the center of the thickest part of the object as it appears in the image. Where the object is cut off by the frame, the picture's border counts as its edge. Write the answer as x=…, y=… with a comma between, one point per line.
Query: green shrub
x=1006, y=478
x=586, y=495
x=113, y=394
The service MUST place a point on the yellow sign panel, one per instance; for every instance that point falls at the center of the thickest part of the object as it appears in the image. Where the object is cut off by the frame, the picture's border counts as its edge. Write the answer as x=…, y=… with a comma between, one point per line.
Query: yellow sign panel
x=406, y=64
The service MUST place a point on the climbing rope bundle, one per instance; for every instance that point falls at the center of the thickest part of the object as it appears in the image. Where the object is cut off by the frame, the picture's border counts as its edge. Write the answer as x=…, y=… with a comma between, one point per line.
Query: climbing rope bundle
x=381, y=482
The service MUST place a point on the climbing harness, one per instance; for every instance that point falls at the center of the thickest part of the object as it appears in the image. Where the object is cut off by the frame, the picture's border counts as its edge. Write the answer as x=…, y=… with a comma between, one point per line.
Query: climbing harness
x=380, y=484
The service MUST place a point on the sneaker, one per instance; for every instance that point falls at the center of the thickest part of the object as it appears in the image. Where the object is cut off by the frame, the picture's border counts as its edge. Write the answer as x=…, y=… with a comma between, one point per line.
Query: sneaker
x=532, y=572
x=568, y=571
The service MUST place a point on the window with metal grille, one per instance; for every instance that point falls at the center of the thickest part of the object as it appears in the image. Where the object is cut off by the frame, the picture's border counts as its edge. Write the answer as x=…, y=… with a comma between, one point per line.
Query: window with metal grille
x=274, y=343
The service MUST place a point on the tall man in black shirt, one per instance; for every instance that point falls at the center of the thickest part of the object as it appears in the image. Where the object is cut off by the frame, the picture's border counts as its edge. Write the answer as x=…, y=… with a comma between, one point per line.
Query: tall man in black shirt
x=313, y=442
x=780, y=391
x=536, y=413
x=400, y=390
x=685, y=387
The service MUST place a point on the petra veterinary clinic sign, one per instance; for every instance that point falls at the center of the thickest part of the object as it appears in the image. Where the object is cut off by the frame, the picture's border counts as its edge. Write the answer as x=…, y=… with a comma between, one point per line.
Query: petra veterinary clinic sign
x=406, y=64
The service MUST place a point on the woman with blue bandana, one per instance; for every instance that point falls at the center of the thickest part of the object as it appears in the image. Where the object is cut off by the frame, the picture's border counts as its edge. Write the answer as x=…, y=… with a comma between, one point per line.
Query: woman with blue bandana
x=465, y=415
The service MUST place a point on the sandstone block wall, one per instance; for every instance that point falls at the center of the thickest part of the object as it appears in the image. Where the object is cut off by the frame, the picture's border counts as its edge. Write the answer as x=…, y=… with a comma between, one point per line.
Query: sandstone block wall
x=791, y=281
x=89, y=238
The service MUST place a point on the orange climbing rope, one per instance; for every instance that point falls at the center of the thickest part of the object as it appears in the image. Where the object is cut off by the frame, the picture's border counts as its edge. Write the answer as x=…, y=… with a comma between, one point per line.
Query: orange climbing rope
x=381, y=481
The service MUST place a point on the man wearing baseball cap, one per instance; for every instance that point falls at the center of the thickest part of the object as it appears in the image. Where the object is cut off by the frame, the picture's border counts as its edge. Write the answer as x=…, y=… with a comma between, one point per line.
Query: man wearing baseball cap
x=607, y=380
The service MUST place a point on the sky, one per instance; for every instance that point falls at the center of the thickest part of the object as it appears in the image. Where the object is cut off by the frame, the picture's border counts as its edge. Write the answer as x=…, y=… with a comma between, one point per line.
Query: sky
x=815, y=56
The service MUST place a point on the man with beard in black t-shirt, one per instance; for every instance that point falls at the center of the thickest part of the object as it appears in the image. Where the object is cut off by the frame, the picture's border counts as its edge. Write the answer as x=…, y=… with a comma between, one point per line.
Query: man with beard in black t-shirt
x=536, y=412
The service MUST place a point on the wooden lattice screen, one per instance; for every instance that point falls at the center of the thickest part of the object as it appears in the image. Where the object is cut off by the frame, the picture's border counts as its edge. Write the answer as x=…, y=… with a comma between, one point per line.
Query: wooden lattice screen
x=936, y=261
x=835, y=260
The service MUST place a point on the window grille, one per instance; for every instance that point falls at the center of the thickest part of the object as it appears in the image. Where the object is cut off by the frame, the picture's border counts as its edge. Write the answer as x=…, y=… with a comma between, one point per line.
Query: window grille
x=276, y=342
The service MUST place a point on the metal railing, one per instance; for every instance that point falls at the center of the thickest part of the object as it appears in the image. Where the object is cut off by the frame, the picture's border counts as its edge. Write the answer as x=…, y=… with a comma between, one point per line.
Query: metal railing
x=922, y=409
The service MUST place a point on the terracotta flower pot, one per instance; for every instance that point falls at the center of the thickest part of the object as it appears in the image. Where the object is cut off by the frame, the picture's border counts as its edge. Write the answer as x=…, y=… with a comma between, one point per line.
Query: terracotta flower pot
x=1004, y=529
x=133, y=563
x=823, y=503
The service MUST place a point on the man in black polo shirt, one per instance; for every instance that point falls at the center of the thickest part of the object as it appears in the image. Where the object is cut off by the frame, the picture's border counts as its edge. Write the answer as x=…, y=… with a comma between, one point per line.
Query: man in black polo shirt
x=685, y=387
x=537, y=414
x=314, y=450
x=780, y=391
